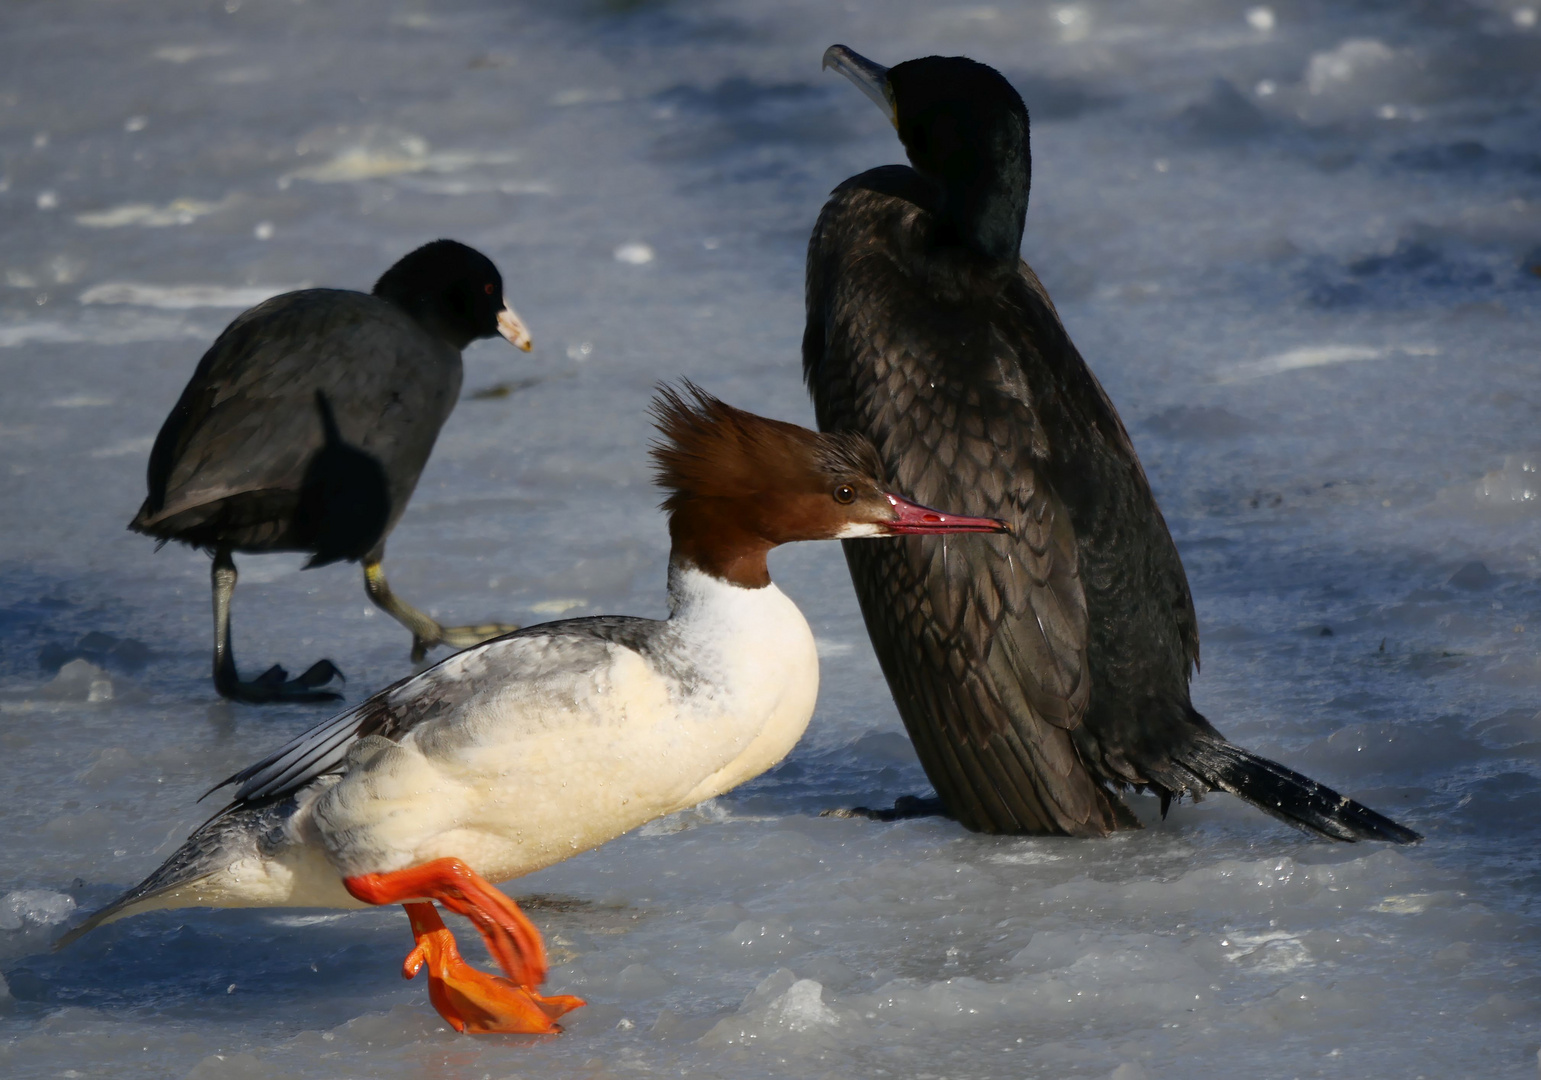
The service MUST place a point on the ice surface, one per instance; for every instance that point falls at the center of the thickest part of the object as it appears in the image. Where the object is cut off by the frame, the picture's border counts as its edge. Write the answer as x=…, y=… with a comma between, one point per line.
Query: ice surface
x=1299, y=250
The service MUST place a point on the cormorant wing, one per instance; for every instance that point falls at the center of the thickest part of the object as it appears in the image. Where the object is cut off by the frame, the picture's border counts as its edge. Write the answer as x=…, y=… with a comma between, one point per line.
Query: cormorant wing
x=983, y=639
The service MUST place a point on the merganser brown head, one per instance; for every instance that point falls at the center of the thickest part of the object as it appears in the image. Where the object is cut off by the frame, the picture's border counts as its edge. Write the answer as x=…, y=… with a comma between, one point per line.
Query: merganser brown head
x=965, y=128
x=741, y=484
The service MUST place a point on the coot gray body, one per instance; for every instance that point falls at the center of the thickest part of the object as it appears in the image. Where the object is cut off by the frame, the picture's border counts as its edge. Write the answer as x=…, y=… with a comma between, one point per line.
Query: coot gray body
x=305, y=428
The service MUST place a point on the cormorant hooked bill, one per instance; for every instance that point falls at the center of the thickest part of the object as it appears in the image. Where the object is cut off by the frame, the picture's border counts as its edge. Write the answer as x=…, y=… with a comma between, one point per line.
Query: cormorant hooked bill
x=1042, y=672
x=305, y=428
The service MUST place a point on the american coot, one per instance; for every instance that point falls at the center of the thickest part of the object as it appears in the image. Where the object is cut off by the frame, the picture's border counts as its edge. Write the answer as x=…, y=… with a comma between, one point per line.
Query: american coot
x=1038, y=674
x=527, y=750
x=305, y=428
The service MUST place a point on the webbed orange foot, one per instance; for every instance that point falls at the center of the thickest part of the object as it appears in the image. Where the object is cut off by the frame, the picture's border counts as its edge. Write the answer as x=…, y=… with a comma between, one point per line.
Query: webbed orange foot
x=510, y=936
x=469, y=999
x=472, y=1000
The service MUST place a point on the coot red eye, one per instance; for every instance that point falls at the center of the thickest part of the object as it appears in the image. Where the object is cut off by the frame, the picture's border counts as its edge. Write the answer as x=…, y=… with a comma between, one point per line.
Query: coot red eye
x=487, y=288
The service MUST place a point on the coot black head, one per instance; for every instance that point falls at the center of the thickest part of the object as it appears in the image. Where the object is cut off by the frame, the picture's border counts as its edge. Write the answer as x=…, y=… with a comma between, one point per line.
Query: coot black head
x=965, y=128
x=454, y=291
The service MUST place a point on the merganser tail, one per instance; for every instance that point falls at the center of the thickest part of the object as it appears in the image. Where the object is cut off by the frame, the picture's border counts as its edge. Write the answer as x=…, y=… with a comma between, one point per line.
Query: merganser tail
x=1287, y=795
x=231, y=838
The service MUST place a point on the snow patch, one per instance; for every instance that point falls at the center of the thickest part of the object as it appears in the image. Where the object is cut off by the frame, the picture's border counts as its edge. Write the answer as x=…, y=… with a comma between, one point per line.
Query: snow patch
x=182, y=297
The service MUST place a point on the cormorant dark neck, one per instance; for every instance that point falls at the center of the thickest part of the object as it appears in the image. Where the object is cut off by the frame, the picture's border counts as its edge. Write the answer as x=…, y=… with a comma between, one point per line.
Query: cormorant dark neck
x=982, y=190
x=986, y=215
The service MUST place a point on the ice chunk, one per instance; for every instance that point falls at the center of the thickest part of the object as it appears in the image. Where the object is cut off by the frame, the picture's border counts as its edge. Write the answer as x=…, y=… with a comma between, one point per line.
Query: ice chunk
x=1354, y=59
x=1309, y=356
x=38, y=907
x=140, y=444
x=635, y=254
x=1517, y=483
x=182, y=54
x=560, y=606
x=640, y=980
x=79, y=680
x=116, y=333
x=758, y=939
x=176, y=212
x=374, y=151
x=178, y=297
x=782, y=1005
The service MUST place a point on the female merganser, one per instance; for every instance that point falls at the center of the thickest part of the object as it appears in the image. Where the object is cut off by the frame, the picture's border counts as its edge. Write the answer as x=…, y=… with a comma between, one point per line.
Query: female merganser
x=1037, y=673
x=305, y=428
x=524, y=751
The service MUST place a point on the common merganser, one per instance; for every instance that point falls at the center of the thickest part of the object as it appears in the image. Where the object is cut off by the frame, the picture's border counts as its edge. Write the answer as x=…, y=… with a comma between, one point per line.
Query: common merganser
x=1038, y=673
x=305, y=428
x=526, y=750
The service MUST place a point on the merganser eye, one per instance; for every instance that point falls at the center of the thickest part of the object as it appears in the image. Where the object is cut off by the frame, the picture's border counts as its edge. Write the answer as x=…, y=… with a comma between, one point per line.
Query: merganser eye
x=845, y=494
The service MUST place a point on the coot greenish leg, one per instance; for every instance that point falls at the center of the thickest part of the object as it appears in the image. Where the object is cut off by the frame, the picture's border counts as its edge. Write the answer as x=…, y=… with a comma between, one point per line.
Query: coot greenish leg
x=305, y=428
x=1038, y=673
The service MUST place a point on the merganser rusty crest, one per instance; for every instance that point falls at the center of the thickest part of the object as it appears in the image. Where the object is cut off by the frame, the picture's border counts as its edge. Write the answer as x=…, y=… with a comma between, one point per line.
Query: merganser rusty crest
x=526, y=750
x=1037, y=673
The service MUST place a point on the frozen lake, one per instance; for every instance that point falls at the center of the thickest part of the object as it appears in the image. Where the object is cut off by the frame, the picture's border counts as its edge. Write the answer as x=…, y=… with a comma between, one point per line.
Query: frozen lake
x=1301, y=246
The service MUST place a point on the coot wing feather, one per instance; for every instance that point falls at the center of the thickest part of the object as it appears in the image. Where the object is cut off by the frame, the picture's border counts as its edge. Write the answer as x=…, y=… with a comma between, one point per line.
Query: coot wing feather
x=247, y=420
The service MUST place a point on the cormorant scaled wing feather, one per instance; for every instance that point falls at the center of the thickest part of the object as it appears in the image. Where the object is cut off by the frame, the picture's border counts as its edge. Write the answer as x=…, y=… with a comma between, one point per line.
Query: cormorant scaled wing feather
x=983, y=639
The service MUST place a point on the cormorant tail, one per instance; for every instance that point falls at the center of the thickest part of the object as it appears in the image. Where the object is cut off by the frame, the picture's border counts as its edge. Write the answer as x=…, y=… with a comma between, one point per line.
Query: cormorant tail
x=1292, y=798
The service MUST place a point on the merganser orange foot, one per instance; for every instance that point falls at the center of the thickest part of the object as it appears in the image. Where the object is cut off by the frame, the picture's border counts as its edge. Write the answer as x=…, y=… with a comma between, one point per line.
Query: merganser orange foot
x=511, y=938
x=471, y=1000
x=529, y=749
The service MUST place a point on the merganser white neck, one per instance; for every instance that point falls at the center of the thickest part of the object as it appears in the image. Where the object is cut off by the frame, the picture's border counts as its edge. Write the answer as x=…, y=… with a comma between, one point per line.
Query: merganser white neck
x=755, y=655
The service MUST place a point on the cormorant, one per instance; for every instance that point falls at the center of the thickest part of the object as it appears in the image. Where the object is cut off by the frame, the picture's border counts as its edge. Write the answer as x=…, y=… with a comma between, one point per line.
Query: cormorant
x=1040, y=673
x=305, y=428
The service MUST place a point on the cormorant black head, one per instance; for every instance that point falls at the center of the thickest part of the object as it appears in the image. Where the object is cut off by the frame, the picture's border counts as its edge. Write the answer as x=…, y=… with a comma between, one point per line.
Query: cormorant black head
x=455, y=292
x=965, y=128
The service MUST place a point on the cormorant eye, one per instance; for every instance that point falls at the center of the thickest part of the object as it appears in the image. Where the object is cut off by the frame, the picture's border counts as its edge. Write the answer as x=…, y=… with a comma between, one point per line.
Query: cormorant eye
x=845, y=494
x=487, y=288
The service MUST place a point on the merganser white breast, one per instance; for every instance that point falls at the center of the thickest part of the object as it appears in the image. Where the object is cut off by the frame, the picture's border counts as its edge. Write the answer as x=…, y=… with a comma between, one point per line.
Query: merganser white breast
x=523, y=751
